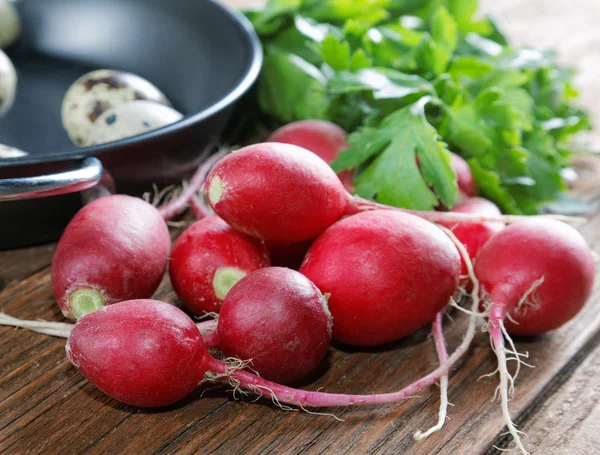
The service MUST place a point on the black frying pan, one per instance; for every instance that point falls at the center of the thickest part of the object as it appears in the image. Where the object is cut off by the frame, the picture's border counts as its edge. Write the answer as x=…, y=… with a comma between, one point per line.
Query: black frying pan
x=201, y=55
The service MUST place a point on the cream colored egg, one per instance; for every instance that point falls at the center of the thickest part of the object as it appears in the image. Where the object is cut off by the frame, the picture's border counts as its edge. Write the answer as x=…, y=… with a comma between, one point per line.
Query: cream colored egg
x=96, y=92
x=10, y=24
x=130, y=119
x=8, y=83
x=10, y=152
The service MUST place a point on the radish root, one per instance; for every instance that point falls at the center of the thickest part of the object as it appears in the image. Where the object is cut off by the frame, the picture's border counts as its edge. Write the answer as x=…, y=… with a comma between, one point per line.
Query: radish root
x=56, y=329
x=440, y=343
x=440, y=347
x=525, y=301
x=63, y=329
x=506, y=386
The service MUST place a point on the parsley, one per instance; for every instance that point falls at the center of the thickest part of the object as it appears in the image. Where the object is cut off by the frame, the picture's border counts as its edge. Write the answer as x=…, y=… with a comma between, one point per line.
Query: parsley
x=412, y=80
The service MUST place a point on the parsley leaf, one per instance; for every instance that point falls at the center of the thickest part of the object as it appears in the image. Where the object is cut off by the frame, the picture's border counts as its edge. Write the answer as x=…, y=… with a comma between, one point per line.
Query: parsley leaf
x=393, y=175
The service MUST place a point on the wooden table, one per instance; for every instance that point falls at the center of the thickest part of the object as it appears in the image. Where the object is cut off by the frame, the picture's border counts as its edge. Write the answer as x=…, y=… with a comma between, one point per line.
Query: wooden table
x=47, y=407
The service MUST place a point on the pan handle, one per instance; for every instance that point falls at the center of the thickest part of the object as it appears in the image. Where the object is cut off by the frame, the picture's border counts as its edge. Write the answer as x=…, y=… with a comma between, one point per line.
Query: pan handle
x=84, y=175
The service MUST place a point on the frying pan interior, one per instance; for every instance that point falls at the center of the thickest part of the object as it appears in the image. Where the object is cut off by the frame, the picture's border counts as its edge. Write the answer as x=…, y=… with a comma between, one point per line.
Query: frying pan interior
x=190, y=49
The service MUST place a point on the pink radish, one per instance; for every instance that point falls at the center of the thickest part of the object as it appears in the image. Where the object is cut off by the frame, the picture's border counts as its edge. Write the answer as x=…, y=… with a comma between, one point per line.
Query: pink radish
x=150, y=354
x=115, y=248
x=208, y=258
x=388, y=274
x=537, y=275
x=279, y=320
x=474, y=235
x=321, y=137
x=284, y=194
x=141, y=352
x=464, y=176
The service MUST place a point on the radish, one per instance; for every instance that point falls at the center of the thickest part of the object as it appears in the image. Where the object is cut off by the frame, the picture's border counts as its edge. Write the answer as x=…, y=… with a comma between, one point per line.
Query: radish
x=141, y=352
x=115, y=248
x=388, y=274
x=277, y=319
x=537, y=275
x=208, y=258
x=150, y=354
x=284, y=194
x=464, y=177
x=474, y=235
x=321, y=137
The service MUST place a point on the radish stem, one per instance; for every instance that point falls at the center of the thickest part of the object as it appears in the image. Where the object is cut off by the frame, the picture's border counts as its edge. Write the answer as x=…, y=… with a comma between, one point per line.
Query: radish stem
x=179, y=204
x=360, y=205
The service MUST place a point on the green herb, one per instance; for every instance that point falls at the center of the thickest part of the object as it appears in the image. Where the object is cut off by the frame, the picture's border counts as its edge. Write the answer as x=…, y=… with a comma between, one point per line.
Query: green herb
x=412, y=80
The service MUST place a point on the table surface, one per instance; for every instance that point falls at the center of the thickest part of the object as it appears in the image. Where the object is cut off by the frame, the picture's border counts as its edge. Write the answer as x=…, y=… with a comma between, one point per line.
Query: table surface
x=47, y=407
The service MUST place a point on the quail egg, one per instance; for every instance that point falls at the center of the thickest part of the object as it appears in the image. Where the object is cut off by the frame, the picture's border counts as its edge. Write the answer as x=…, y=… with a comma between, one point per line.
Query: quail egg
x=129, y=119
x=10, y=24
x=96, y=92
x=8, y=83
x=10, y=152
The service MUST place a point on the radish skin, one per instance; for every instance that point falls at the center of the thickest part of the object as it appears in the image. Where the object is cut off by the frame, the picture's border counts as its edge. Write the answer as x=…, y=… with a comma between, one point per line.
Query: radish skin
x=376, y=265
x=276, y=192
x=115, y=248
x=208, y=258
x=277, y=319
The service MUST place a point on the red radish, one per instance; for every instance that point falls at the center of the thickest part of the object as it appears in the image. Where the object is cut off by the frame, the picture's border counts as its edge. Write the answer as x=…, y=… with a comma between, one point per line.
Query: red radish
x=278, y=319
x=464, y=176
x=276, y=192
x=388, y=274
x=540, y=272
x=284, y=194
x=115, y=248
x=208, y=258
x=150, y=354
x=321, y=137
x=474, y=235
x=537, y=274
x=141, y=352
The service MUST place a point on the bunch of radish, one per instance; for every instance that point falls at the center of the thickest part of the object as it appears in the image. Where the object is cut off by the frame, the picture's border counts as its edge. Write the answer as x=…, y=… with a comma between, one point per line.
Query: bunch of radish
x=369, y=275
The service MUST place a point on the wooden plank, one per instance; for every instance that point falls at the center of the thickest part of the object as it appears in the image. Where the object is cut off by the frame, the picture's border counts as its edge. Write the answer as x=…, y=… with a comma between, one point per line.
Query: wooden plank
x=568, y=421
x=21, y=263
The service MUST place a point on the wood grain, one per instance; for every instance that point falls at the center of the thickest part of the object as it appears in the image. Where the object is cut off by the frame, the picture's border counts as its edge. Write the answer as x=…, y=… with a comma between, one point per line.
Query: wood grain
x=46, y=407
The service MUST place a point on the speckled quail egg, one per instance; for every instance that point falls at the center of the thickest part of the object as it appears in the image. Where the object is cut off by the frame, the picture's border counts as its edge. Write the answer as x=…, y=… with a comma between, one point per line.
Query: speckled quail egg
x=130, y=119
x=7, y=151
x=8, y=83
x=10, y=24
x=96, y=92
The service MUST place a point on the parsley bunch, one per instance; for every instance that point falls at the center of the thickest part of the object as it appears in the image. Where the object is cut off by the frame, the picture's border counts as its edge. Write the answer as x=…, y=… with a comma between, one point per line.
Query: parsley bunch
x=412, y=80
